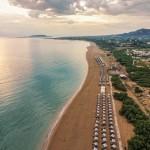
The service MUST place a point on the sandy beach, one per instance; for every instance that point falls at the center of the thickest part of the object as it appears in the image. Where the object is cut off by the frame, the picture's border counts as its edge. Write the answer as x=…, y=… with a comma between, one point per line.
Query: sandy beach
x=74, y=130
x=74, y=127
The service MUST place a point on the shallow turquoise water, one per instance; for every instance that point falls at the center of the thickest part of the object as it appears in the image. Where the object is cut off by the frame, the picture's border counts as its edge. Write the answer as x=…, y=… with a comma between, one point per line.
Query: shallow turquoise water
x=37, y=77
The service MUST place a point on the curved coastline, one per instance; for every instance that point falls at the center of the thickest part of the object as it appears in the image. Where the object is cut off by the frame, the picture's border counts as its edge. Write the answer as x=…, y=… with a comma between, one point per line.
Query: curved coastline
x=74, y=128
x=61, y=113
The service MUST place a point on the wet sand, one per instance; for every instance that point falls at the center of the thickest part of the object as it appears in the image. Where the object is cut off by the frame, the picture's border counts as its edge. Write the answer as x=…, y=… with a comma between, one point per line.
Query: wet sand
x=74, y=130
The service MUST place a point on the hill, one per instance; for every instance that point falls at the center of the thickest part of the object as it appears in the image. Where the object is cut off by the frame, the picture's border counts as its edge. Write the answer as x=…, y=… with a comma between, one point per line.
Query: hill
x=143, y=34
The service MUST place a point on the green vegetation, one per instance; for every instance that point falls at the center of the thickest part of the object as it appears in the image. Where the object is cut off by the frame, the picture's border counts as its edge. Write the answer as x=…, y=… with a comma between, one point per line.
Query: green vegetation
x=123, y=58
x=117, y=83
x=141, y=76
x=141, y=140
x=130, y=109
x=137, y=74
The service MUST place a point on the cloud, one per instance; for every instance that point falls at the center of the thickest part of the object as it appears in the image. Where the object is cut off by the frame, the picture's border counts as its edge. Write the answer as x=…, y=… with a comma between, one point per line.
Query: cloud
x=69, y=7
x=57, y=6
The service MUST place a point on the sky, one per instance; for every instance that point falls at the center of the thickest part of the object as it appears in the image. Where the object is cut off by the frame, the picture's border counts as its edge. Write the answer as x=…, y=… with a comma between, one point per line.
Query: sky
x=72, y=17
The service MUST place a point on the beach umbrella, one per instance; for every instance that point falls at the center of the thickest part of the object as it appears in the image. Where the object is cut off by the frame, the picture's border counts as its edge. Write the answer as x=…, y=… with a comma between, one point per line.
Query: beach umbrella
x=114, y=146
x=113, y=141
x=110, y=116
x=97, y=121
x=95, y=144
x=111, y=127
x=95, y=148
x=97, y=115
x=104, y=112
x=109, y=113
x=96, y=133
x=104, y=145
x=98, y=107
x=112, y=135
x=104, y=115
x=112, y=131
x=96, y=139
x=98, y=110
x=104, y=130
x=104, y=140
x=96, y=129
x=104, y=122
x=110, y=119
x=104, y=119
x=96, y=125
x=111, y=123
x=103, y=135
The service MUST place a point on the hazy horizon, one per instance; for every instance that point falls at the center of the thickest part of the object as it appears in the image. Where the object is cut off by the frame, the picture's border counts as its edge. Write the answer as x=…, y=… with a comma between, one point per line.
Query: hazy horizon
x=72, y=17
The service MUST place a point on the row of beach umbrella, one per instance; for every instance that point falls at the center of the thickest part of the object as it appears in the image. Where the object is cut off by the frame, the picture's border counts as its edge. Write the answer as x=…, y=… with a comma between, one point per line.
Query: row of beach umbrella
x=104, y=131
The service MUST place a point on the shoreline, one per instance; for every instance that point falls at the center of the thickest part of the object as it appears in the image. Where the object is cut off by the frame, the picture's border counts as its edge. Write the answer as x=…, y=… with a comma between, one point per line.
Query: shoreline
x=76, y=106
x=60, y=114
x=74, y=125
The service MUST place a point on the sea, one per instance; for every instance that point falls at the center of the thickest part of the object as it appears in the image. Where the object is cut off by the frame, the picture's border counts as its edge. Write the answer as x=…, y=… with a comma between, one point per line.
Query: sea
x=37, y=79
